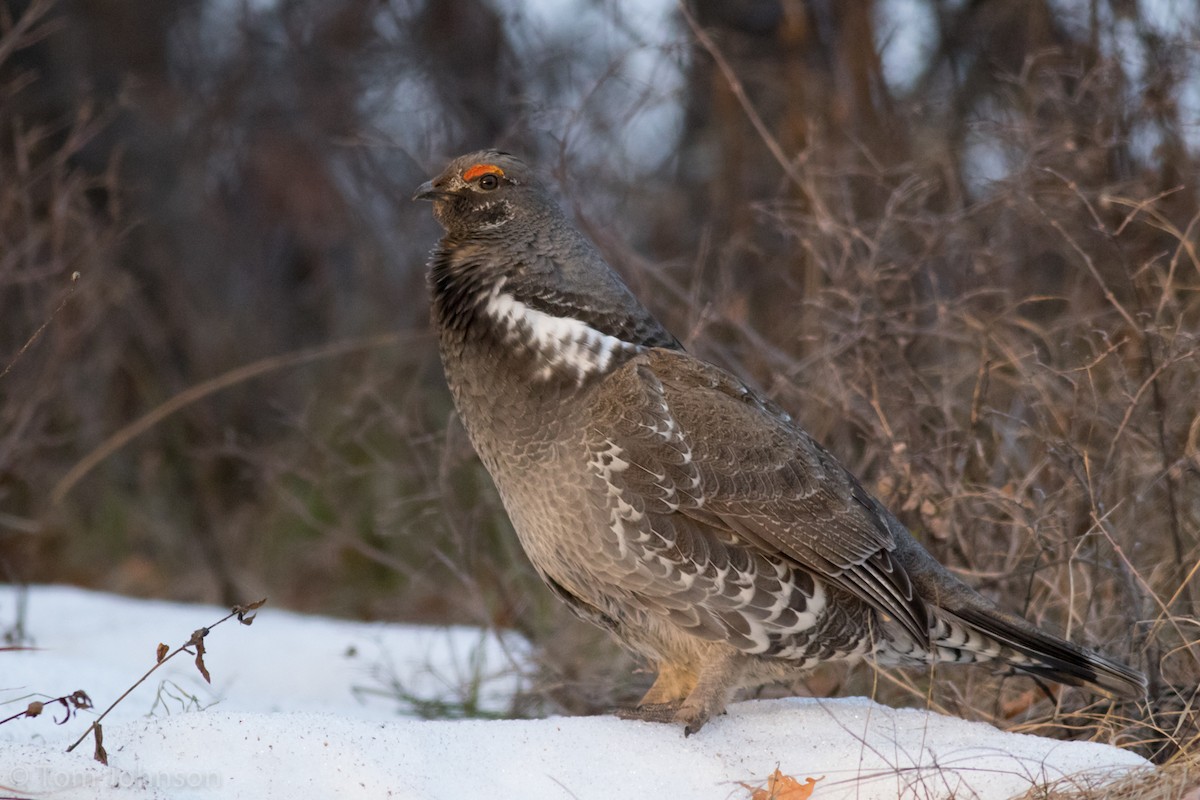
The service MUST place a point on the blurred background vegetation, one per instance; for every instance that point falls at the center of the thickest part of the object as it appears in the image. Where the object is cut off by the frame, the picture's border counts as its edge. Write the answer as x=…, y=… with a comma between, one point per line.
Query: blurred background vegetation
x=957, y=238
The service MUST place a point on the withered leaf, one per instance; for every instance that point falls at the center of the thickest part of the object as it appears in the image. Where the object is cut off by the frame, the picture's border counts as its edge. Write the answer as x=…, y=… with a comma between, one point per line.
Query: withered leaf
x=79, y=698
x=34, y=709
x=161, y=652
x=243, y=610
x=784, y=787
x=101, y=754
x=66, y=708
x=1020, y=704
x=200, y=659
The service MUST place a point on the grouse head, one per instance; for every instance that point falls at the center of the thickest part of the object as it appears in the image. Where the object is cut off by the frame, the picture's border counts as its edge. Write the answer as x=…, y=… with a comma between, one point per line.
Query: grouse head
x=513, y=270
x=482, y=192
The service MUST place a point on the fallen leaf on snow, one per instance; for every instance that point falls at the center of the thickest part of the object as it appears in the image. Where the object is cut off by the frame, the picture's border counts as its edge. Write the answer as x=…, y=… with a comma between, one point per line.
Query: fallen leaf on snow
x=784, y=787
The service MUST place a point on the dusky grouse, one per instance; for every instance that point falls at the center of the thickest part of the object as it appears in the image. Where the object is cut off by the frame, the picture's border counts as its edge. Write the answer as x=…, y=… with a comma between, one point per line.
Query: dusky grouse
x=660, y=497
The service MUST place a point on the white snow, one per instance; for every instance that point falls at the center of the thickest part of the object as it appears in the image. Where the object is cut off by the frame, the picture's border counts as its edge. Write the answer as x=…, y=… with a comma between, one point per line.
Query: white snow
x=298, y=713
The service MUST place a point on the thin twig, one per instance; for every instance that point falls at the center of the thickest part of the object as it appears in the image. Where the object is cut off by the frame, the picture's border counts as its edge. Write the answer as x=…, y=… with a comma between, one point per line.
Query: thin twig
x=1095, y=273
x=41, y=328
x=739, y=91
x=201, y=390
x=23, y=34
x=756, y=120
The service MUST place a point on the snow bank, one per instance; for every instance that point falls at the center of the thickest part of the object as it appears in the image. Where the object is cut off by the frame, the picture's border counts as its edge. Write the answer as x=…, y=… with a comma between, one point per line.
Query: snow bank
x=101, y=643
x=289, y=724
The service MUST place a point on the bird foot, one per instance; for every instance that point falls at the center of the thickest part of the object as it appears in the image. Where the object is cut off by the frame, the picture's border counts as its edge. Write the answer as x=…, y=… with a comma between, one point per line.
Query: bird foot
x=694, y=716
x=651, y=712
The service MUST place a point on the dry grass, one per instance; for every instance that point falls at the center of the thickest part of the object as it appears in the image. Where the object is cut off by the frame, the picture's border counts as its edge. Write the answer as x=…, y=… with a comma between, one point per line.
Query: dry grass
x=1176, y=780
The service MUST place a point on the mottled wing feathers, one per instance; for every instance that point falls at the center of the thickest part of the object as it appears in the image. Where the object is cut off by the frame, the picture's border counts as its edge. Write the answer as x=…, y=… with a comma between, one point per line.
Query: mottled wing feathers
x=699, y=445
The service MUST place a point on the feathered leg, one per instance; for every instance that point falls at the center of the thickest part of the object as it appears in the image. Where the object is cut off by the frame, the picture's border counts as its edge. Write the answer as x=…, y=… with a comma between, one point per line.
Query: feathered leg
x=718, y=678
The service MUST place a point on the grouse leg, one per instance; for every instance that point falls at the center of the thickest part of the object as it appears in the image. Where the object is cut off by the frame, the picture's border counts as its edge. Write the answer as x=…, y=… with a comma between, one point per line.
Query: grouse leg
x=717, y=680
x=662, y=701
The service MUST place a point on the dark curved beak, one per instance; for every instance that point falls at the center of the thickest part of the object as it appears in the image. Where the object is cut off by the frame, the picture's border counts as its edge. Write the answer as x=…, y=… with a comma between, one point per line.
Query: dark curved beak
x=427, y=191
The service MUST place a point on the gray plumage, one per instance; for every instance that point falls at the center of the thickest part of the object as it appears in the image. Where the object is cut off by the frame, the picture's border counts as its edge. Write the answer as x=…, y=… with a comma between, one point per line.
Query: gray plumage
x=663, y=499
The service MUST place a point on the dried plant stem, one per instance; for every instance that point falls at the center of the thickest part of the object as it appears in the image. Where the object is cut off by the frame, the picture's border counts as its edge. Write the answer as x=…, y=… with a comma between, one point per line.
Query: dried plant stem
x=196, y=640
x=760, y=127
x=232, y=378
x=41, y=328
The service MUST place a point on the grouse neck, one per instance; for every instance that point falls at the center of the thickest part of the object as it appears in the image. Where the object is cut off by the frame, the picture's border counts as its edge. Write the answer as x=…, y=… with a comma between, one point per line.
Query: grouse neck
x=542, y=336
x=562, y=347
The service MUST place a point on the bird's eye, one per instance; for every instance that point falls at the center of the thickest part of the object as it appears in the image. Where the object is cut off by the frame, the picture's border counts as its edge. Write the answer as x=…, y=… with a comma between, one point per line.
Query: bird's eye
x=489, y=182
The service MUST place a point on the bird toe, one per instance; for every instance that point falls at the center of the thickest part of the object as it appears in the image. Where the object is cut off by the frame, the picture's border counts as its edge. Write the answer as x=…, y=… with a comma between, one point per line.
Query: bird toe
x=650, y=712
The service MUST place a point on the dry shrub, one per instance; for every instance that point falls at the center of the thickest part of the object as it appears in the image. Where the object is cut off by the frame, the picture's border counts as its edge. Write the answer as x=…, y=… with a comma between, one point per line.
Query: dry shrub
x=57, y=235
x=1176, y=780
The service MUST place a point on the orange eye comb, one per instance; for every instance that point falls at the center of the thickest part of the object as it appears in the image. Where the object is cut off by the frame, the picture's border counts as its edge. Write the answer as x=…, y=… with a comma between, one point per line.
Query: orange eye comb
x=482, y=169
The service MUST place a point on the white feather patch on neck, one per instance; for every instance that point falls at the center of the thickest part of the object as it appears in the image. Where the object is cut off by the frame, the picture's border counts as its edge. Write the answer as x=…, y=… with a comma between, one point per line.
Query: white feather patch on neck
x=560, y=343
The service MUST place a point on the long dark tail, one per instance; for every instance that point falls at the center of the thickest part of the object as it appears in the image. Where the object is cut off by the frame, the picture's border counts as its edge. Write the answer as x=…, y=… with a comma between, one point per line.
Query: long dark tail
x=1031, y=650
x=969, y=627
